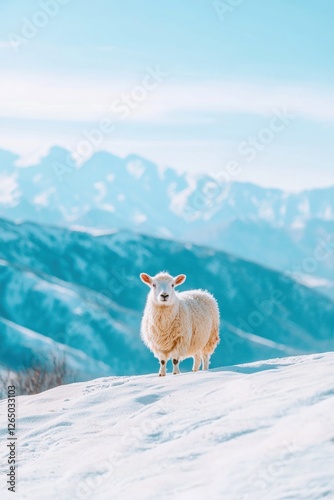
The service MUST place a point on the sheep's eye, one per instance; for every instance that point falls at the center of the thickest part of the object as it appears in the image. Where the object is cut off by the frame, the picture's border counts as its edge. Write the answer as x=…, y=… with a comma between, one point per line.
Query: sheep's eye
x=154, y=285
x=172, y=285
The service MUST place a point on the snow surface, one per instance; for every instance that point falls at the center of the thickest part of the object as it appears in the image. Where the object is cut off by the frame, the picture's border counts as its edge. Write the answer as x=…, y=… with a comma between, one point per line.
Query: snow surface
x=256, y=431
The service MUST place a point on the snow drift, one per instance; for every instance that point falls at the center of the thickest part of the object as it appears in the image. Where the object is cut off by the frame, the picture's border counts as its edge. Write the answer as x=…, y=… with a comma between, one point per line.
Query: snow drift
x=260, y=430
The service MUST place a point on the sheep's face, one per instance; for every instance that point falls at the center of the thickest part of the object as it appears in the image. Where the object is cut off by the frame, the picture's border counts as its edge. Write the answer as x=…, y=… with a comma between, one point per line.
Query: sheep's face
x=163, y=287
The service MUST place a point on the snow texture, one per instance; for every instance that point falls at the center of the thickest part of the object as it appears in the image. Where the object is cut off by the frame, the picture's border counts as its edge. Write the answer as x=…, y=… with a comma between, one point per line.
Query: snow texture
x=255, y=431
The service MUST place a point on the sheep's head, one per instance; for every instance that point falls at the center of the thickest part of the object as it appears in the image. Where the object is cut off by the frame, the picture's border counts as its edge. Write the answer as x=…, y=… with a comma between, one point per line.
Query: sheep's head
x=162, y=287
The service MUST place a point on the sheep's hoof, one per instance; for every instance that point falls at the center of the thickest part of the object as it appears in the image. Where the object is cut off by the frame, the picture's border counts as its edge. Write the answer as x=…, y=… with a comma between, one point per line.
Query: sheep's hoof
x=162, y=374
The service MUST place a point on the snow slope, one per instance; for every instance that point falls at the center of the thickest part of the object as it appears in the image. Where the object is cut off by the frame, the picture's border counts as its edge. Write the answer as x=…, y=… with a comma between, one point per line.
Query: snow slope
x=256, y=431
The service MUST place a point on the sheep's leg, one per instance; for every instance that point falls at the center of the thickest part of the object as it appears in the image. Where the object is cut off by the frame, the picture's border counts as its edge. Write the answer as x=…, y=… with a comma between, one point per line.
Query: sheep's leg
x=162, y=371
x=197, y=362
x=176, y=369
x=205, y=361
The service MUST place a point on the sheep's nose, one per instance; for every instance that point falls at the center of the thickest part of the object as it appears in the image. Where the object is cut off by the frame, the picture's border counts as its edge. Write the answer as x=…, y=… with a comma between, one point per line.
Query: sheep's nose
x=164, y=295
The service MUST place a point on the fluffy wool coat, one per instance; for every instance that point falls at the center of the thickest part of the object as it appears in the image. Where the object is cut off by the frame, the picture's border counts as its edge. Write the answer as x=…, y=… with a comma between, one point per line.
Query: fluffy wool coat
x=188, y=328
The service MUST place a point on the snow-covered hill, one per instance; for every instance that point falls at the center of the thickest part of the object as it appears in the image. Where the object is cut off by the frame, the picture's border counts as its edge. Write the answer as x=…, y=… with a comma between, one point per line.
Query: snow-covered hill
x=286, y=231
x=79, y=296
x=258, y=431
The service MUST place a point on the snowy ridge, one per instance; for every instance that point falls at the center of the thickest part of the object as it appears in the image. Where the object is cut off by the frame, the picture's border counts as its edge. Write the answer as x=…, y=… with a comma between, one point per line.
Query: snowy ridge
x=261, y=430
x=251, y=338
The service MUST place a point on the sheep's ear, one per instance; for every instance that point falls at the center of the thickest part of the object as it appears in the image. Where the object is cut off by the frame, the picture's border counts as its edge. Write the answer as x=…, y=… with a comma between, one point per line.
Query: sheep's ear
x=181, y=278
x=146, y=278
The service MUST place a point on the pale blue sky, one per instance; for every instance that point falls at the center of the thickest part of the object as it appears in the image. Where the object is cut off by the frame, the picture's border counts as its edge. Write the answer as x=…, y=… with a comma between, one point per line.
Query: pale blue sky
x=226, y=77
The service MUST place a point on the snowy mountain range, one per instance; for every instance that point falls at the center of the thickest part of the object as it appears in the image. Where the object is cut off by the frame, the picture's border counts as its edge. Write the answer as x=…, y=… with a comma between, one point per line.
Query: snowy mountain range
x=290, y=232
x=261, y=430
x=79, y=295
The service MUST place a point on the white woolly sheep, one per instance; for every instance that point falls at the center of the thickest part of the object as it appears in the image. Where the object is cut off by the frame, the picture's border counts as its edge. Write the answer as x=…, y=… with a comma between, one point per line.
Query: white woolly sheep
x=179, y=325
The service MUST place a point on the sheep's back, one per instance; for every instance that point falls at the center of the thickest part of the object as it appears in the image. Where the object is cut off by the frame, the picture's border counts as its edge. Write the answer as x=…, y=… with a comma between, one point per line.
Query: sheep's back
x=203, y=311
